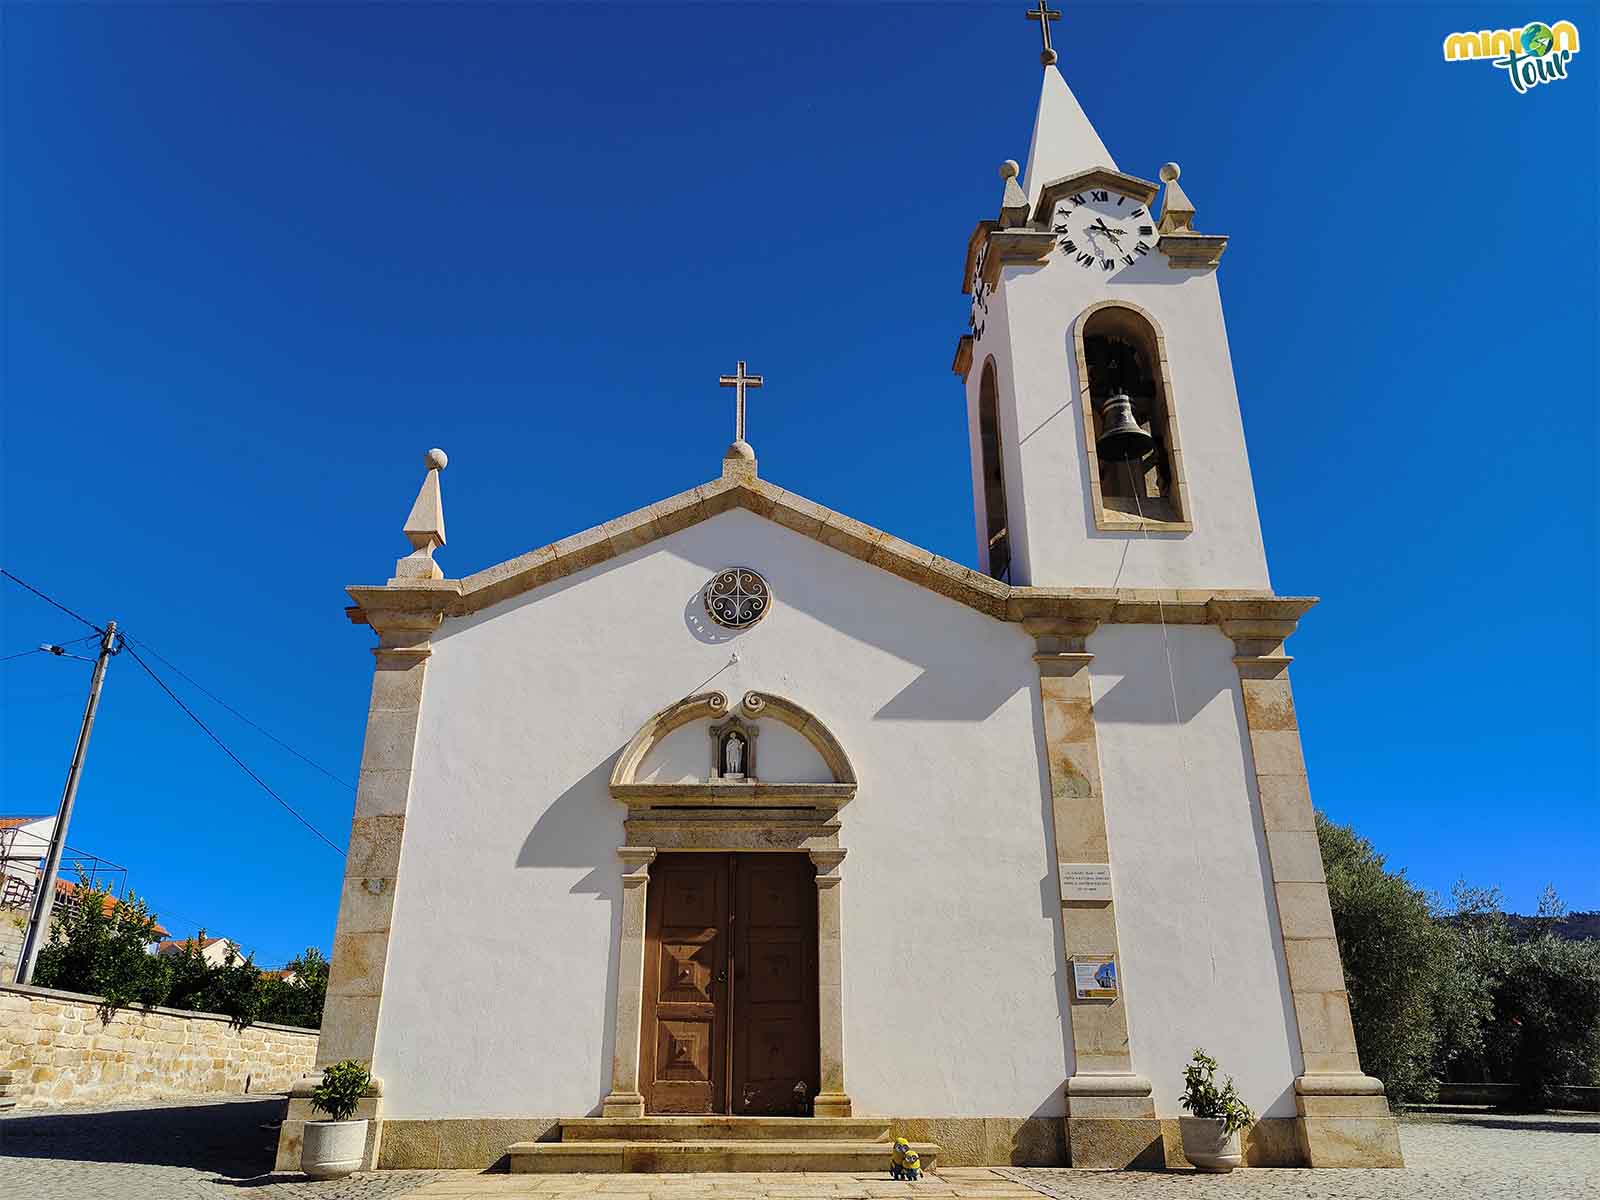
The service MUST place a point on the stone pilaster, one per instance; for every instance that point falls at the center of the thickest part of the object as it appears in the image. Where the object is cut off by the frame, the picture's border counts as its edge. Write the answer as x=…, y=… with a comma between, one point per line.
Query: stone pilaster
x=831, y=1099
x=626, y=1099
x=1344, y=1120
x=372, y=861
x=1111, y=1117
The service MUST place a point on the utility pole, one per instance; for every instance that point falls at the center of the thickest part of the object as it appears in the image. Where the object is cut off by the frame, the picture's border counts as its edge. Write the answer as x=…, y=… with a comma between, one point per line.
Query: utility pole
x=44, y=900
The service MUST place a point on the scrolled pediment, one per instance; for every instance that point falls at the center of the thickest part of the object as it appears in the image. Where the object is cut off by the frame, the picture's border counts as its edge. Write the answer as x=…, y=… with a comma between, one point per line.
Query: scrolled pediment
x=728, y=793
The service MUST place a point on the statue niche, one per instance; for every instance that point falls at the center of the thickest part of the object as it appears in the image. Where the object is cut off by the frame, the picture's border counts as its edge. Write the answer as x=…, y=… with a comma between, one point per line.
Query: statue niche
x=733, y=751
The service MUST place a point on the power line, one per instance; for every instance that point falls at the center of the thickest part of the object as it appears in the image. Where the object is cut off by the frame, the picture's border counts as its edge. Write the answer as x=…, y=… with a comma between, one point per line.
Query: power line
x=262, y=783
x=46, y=649
x=48, y=600
x=263, y=732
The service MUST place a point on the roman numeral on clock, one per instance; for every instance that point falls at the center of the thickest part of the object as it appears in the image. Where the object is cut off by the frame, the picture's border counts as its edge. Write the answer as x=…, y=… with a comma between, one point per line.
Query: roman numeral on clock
x=1138, y=212
x=1127, y=260
x=1141, y=248
x=1106, y=264
x=1086, y=258
x=1076, y=198
x=1146, y=230
x=1100, y=197
x=1068, y=245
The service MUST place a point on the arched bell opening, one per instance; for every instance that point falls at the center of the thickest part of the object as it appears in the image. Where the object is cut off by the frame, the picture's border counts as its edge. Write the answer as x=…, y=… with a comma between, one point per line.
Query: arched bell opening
x=994, y=480
x=1128, y=416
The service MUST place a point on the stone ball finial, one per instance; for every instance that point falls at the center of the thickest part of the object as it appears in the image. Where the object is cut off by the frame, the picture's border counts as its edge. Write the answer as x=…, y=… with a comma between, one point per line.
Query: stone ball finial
x=1170, y=173
x=1009, y=169
x=1049, y=58
x=436, y=459
x=741, y=450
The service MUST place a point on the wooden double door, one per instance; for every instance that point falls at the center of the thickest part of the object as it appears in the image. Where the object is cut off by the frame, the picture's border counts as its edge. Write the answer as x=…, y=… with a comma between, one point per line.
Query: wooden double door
x=730, y=984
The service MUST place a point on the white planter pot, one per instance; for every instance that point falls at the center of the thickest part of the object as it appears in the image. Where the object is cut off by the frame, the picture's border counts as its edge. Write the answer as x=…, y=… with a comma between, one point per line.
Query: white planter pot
x=333, y=1149
x=1205, y=1145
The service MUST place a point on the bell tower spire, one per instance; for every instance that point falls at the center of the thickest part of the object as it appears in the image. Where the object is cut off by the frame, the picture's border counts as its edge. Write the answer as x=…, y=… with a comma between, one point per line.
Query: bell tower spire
x=1064, y=141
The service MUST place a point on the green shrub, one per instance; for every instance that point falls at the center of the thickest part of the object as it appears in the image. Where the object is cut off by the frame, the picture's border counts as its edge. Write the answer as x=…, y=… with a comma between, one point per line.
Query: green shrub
x=343, y=1084
x=297, y=1001
x=1202, y=1097
x=97, y=946
x=1398, y=960
x=1545, y=1032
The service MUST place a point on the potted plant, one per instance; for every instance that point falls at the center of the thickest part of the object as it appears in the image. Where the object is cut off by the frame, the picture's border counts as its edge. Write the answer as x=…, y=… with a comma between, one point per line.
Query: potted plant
x=334, y=1148
x=1216, y=1117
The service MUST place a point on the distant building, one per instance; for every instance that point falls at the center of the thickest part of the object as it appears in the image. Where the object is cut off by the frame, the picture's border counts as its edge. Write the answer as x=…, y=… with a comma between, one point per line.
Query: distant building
x=24, y=840
x=214, y=950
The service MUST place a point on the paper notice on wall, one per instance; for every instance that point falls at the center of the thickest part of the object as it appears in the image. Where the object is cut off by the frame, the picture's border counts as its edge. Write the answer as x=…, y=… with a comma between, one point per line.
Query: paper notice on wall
x=1086, y=881
x=1095, y=978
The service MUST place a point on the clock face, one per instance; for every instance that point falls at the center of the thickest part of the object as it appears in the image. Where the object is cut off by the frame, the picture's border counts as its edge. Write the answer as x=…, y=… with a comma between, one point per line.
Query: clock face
x=1102, y=230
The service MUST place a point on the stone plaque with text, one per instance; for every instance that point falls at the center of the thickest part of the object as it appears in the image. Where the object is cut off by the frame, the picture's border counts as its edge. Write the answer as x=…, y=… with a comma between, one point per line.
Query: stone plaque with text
x=1086, y=881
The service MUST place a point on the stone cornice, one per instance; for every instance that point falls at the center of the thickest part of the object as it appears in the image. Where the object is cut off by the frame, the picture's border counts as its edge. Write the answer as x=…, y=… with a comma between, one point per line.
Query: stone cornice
x=1192, y=251
x=1008, y=247
x=1128, y=185
x=410, y=609
x=962, y=363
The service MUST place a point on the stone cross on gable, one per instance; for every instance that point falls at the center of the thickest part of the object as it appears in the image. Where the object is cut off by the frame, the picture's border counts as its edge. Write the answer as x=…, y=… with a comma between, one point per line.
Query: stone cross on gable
x=1044, y=14
x=739, y=381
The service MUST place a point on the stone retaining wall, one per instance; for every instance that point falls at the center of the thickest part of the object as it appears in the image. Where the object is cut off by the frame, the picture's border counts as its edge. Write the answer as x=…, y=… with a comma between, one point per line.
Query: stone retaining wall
x=59, y=1051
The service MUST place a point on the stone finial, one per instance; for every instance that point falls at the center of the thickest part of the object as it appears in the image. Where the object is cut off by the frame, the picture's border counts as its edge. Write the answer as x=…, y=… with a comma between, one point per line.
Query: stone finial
x=1177, y=211
x=1014, y=204
x=425, y=526
x=739, y=461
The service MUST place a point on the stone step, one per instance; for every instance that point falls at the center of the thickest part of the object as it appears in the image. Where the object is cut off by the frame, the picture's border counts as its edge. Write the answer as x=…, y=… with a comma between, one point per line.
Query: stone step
x=658, y=1157
x=723, y=1128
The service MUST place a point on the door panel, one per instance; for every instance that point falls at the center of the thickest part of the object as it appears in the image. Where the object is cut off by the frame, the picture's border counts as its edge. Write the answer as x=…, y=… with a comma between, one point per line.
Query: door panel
x=730, y=986
x=775, y=1036
x=683, y=1064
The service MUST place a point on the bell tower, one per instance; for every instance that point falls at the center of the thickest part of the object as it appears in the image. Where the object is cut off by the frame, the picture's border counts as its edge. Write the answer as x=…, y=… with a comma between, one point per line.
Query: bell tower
x=1107, y=445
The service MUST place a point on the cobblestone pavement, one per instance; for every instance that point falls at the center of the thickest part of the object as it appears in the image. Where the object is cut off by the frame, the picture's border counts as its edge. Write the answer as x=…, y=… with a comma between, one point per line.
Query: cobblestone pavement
x=196, y=1149
x=206, y=1149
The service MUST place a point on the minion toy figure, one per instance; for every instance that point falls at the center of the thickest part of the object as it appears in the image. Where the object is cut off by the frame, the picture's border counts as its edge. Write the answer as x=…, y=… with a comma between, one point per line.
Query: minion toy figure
x=904, y=1162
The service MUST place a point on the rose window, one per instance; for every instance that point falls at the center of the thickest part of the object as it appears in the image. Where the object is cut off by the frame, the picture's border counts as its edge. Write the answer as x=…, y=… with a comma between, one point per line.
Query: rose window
x=737, y=598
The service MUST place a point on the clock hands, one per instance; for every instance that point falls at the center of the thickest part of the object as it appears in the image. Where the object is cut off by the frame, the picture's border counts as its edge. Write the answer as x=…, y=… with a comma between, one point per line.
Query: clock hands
x=1101, y=227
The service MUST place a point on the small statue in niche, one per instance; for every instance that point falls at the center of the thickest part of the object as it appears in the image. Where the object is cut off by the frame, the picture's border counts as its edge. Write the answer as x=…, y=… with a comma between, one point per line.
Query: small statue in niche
x=733, y=756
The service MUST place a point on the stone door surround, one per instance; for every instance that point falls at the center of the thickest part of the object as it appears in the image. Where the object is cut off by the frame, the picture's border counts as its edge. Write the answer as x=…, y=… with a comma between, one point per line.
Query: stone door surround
x=729, y=817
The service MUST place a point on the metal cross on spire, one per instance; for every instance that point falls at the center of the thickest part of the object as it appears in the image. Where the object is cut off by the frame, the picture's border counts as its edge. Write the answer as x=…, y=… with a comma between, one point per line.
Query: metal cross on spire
x=739, y=381
x=1044, y=14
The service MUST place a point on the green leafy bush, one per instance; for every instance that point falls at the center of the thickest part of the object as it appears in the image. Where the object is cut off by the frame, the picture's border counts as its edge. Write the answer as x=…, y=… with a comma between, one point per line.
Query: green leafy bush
x=343, y=1084
x=1432, y=988
x=1203, y=1098
x=1544, y=1026
x=297, y=1001
x=99, y=946
x=1398, y=963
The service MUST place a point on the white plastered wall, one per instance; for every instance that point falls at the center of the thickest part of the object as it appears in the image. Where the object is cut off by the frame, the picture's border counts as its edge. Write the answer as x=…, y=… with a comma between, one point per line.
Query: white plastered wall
x=1201, y=954
x=498, y=997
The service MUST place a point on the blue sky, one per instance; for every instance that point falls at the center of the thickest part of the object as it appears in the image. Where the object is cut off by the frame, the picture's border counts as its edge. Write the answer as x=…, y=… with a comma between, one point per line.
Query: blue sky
x=258, y=258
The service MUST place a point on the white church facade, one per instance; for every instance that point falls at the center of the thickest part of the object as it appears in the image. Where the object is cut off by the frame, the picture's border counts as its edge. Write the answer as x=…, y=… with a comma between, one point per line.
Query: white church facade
x=735, y=817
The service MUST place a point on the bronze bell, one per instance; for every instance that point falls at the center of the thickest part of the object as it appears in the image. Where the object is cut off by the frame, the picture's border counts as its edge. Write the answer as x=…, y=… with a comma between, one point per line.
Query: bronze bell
x=1123, y=440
